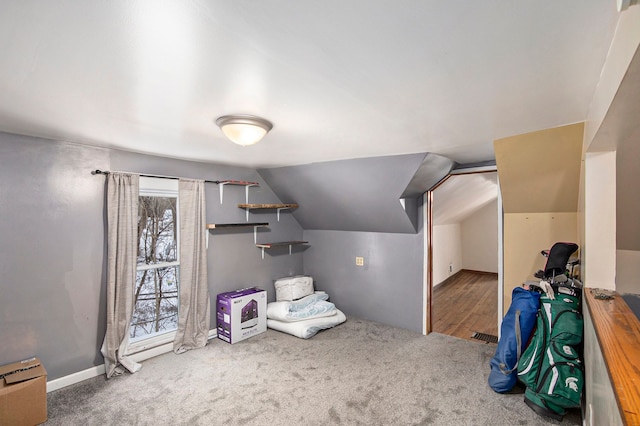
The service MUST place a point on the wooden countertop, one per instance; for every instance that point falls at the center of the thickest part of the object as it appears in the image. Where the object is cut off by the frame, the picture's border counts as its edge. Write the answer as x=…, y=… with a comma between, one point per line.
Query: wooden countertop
x=618, y=332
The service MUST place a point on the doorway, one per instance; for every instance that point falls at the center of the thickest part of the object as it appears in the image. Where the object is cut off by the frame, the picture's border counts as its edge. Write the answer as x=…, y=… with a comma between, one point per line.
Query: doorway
x=462, y=261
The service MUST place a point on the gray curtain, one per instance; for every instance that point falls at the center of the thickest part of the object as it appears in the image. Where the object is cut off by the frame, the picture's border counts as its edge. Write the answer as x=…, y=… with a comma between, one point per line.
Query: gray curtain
x=193, y=312
x=122, y=248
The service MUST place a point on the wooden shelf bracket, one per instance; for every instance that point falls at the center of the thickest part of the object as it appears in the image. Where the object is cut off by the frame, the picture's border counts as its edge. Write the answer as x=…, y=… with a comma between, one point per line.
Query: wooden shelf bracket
x=279, y=207
x=212, y=226
x=280, y=244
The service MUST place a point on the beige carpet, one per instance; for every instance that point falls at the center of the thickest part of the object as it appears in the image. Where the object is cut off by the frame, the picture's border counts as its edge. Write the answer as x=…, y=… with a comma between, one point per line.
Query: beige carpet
x=359, y=373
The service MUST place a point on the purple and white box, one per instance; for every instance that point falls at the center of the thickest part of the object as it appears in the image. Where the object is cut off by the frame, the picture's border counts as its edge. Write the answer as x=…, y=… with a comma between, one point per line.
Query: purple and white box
x=241, y=314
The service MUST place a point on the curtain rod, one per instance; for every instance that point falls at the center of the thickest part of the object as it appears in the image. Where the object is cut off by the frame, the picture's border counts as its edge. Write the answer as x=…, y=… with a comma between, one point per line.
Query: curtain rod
x=235, y=182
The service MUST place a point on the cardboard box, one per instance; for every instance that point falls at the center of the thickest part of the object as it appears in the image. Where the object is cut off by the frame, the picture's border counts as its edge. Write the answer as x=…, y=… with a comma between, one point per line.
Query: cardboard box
x=241, y=314
x=23, y=393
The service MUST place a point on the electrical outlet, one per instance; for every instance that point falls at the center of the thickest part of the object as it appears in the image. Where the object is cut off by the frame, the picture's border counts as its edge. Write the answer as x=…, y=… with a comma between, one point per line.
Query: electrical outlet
x=359, y=261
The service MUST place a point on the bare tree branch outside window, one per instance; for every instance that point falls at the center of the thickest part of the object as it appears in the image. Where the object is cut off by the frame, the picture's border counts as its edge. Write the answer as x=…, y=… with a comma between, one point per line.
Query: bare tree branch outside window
x=156, y=292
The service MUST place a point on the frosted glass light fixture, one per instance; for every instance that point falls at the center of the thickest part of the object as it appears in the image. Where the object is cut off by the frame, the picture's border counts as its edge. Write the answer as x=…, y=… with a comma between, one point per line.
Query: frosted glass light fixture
x=624, y=4
x=244, y=129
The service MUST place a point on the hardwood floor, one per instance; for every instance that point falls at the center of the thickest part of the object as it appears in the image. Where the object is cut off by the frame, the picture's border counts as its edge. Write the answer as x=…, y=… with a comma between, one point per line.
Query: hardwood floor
x=466, y=303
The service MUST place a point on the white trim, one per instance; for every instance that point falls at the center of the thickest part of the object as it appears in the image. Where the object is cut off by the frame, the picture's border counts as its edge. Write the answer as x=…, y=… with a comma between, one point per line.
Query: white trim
x=160, y=265
x=158, y=186
x=425, y=265
x=151, y=352
x=98, y=370
x=166, y=188
x=148, y=343
x=500, y=306
x=78, y=377
x=479, y=169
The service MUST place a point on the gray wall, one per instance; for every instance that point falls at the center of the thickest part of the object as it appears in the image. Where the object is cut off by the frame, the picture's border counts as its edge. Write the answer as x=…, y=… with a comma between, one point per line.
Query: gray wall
x=628, y=199
x=233, y=260
x=351, y=208
x=51, y=253
x=387, y=289
x=360, y=194
x=52, y=266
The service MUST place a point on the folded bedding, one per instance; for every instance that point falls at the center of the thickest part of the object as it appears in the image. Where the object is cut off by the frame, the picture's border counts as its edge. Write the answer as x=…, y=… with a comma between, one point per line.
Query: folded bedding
x=309, y=327
x=312, y=306
x=293, y=288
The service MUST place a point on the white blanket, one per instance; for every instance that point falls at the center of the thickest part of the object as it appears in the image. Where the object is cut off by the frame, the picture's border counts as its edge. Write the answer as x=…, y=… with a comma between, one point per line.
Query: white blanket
x=312, y=306
x=307, y=328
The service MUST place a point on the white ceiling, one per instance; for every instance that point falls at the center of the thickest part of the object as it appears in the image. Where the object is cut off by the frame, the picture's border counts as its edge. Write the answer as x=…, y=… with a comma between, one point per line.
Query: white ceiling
x=338, y=79
x=460, y=196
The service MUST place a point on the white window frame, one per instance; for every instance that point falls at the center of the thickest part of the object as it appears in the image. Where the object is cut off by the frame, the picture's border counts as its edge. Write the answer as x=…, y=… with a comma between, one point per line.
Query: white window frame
x=158, y=187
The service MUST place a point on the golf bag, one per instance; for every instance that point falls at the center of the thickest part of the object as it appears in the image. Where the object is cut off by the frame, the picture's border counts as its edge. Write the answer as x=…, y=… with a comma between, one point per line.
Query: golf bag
x=515, y=331
x=550, y=367
x=555, y=269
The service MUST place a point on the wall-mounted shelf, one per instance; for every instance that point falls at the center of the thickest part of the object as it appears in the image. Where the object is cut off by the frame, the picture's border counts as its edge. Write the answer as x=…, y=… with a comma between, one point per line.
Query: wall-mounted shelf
x=279, y=207
x=254, y=225
x=280, y=244
x=244, y=183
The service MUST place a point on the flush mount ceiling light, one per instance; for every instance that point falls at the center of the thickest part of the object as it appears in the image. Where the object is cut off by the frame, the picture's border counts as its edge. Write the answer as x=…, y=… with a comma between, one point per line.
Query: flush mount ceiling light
x=244, y=129
x=624, y=4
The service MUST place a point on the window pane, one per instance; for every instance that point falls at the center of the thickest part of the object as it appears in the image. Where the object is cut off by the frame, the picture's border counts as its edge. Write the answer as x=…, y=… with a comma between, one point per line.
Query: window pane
x=156, y=303
x=157, y=230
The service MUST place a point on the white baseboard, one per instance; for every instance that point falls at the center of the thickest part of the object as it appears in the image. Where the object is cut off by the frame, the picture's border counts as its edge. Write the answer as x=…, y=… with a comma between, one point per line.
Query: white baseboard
x=98, y=370
x=75, y=378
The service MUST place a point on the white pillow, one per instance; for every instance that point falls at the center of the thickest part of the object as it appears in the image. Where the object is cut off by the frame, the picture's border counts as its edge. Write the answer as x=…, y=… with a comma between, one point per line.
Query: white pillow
x=293, y=288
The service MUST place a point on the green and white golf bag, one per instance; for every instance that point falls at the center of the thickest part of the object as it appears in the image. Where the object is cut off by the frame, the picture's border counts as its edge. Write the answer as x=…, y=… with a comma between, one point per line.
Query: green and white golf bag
x=550, y=366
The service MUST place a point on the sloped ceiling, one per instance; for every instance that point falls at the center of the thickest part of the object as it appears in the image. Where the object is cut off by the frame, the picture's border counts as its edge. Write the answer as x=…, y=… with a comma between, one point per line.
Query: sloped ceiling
x=460, y=196
x=339, y=79
x=540, y=171
x=433, y=169
x=349, y=195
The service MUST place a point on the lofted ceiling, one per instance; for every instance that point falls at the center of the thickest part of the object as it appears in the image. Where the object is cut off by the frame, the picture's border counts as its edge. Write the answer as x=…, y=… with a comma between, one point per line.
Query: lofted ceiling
x=460, y=196
x=339, y=80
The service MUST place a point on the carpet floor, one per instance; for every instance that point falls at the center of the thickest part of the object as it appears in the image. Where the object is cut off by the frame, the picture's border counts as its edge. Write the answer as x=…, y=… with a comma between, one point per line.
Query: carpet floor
x=358, y=373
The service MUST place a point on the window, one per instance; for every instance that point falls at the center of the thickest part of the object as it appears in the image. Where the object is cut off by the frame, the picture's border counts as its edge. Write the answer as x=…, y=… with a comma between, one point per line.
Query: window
x=158, y=263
